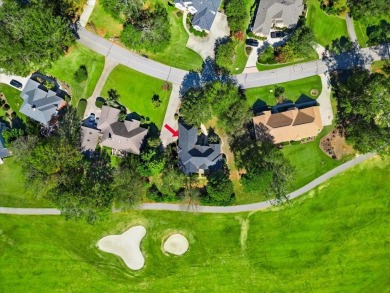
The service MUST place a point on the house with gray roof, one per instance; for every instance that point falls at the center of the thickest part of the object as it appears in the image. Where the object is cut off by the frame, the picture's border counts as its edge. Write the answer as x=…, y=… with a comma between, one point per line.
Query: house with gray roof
x=196, y=154
x=273, y=14
x=39, y=104
x=3, y=150
x=204, y=12
x=126, y=136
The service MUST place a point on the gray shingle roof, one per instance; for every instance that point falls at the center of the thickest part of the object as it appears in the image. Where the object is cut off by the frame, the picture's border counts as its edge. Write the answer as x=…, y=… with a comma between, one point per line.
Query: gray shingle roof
x=3, y=150
x=39, y=104
x=194, y=156
x=287, y=10
x=125, y=136
x=207, y=10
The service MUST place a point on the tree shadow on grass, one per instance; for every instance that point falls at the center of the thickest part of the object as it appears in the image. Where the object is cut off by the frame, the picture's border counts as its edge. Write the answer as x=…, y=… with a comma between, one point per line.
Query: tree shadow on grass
x=208, y=74
x=259, y=106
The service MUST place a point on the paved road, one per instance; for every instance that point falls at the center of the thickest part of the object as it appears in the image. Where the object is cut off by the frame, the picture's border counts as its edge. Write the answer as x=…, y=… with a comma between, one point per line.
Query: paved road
x=248, y=80
x=130, y=59
x=211, y=209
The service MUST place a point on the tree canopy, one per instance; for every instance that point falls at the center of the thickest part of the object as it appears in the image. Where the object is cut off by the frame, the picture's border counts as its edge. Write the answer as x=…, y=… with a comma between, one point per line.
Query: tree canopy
x=363, y=112
x=33, y=34
x=361, y=8
x=147, y=29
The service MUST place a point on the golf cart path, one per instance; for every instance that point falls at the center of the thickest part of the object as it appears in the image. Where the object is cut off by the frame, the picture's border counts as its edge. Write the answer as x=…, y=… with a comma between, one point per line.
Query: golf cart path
x=211, y=209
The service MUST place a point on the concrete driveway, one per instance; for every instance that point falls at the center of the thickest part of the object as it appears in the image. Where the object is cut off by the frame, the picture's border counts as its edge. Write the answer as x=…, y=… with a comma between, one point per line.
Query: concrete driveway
x=205, y=46
x=4, y=78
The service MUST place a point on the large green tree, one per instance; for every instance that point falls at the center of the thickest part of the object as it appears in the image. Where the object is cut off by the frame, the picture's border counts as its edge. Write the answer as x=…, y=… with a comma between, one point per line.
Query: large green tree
x=219, y=188
x=364, y=110
x=237, y=14
x=361, y=8
x=32, y=35
x=149, y=31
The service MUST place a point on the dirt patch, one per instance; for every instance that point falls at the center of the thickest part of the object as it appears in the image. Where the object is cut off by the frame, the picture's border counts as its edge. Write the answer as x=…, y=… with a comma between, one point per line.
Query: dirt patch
x=335, y=146
x=66, y=87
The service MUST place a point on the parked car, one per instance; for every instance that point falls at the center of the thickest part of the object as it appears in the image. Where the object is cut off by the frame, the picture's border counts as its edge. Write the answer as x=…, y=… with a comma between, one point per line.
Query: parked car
x=16, y=84
x=252, y=42
x=275, y=35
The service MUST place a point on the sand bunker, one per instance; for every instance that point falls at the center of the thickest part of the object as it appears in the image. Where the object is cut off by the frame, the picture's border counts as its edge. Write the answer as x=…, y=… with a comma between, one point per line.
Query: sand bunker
x=176, y=244
x=126, y=246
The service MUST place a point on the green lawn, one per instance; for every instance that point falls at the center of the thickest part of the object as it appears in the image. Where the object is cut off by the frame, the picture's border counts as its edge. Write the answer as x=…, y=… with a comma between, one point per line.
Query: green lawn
x=293, y=89
x=13, y=98
x=334, y=239
x=309, y=160
x=176, y=54
x=105, y=25
x=136, y=91
x=65, y=67
x=13, y=192
x=326, y=27
x=238, y=65
x=362, y=24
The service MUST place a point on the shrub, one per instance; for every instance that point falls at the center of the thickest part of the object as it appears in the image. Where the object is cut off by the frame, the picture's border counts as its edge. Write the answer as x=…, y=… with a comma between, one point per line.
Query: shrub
x=99, y=104
x=82, y=105
x=267, y=55
x=154, y=194
x=81, y=74
x=6, y=107
x=156, y=101
x=197, y=33
x=224, y=53
x=278, y=91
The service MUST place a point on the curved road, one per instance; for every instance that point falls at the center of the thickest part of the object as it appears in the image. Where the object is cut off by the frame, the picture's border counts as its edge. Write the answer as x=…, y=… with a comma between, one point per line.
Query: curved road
x=210, y=209
x=247, y=80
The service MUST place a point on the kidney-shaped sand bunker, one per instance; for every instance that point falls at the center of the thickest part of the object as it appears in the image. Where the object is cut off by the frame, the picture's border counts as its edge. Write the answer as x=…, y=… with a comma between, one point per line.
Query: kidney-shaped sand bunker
x=126, y=246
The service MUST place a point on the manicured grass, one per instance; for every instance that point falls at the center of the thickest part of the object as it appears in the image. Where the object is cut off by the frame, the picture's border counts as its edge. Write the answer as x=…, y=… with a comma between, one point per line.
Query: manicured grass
x=136, y=91
x=13, y=98
x=65, y=67
x=332, y=239
x=293, y=89
x=238, y=65
x=13, y=192
x=105, y=25
x=326, y=27
x=362, y=24
x=176, y=54
x=309, y=160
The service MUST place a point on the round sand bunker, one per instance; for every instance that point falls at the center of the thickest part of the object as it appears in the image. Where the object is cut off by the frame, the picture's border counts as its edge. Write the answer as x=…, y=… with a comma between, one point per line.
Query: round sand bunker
x=176, y=244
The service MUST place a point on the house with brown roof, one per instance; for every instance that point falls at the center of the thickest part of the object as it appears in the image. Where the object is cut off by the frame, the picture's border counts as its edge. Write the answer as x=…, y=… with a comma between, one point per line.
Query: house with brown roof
x=292, y=125
x=127, y=136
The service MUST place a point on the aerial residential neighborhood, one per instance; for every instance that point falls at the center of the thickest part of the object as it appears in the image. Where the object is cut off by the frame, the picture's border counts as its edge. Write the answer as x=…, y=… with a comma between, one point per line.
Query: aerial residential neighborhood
x=194, y=146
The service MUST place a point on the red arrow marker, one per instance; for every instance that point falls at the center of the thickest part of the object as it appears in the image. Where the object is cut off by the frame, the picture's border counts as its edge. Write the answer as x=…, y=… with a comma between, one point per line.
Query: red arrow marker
x=171, y=130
